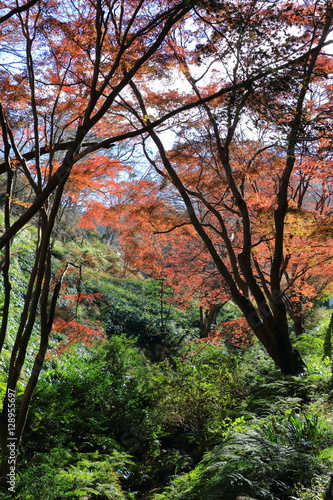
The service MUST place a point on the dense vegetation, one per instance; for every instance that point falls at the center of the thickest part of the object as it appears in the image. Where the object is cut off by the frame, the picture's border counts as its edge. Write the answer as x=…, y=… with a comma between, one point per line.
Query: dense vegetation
x=150, y=411
x=166, y=197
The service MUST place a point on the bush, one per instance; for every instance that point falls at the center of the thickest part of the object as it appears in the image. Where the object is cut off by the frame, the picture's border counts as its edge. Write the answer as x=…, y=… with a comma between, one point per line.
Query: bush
x=134, y=308
x=197, y=394
x=92, y=397
x=245, y=464
x=60, y=474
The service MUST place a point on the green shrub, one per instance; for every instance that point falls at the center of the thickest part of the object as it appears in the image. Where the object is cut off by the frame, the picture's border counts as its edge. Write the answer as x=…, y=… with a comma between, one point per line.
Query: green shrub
x=134, y=308
x=245, y=464
x=313, y=491
x=92, y=396
x=61, y=474
x=197, y=394
x=305, y=431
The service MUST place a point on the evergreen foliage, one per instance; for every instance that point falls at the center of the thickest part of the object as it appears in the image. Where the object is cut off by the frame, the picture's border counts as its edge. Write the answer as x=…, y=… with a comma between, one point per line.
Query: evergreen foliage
x=245, y=464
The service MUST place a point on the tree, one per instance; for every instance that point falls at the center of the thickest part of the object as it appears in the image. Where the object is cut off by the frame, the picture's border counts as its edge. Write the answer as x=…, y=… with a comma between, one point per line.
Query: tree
x=80, y=77
x=62, y=87
x=238, y=160
x=156, y=238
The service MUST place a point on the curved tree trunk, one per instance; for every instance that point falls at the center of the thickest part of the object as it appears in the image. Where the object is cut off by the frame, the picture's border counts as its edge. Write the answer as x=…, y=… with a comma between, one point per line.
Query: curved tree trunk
x=270, y=326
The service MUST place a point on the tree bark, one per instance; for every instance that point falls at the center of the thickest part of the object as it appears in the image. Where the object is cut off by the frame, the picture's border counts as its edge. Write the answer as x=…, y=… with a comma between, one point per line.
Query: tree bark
x=273, y=332
x=208, y=318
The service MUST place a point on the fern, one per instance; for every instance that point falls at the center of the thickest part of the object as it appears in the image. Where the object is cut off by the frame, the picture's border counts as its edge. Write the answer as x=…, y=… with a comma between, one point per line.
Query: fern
x=245, y=464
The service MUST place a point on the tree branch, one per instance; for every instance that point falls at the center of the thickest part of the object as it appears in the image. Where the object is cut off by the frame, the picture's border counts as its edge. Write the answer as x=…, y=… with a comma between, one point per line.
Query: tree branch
x=17, y=10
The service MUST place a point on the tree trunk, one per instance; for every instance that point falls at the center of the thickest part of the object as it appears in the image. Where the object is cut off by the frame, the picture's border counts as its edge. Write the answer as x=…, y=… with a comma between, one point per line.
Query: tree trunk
x=271, y=328
x=298, y=321
x=208, y=318
x=286, y=357
x=281, y=350
x=295, y=308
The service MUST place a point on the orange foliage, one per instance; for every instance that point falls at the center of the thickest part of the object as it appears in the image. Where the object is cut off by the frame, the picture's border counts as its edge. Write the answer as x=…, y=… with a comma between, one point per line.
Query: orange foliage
x=236, y=333
x=74, y=332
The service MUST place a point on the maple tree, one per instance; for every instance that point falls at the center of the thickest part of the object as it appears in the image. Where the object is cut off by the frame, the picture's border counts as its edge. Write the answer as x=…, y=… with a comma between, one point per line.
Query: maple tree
x=62, y=81
x=157, y=240
x=238, y=161
x=80, y=77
